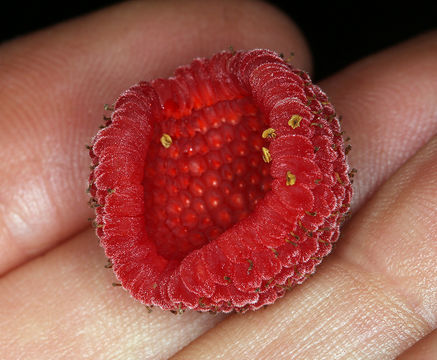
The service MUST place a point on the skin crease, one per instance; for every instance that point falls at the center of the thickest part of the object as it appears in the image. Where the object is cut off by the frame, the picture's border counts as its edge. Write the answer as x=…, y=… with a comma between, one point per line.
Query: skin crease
x=424, y=349
x=372, y=299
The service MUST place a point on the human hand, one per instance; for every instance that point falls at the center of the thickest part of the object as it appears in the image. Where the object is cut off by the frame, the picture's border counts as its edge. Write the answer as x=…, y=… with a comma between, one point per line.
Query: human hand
x=374, y=297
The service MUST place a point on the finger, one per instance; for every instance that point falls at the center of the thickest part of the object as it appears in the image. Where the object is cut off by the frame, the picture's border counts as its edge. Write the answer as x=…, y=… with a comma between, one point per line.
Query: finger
x=64, y=304
x=376, y=295
x=55, y=83
x=424, y=349
x=388, y=106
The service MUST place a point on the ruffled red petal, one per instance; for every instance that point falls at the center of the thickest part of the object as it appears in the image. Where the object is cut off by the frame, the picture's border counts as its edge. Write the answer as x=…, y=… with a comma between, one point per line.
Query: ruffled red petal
x=221, y=187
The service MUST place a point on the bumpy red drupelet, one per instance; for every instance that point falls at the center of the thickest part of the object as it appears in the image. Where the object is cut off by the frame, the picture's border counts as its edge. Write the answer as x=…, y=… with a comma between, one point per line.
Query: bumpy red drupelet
x=221, y=187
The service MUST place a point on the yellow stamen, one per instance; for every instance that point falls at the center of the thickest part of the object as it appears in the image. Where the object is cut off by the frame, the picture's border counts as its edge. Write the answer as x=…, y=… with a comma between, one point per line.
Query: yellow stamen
x=291, y=179
x=294, y=121
x=166, y=140
x=269, y=133
x=266, y=155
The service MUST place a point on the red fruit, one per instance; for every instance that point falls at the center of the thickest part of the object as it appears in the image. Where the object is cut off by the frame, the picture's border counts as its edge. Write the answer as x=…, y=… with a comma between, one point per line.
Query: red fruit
x=222, y=186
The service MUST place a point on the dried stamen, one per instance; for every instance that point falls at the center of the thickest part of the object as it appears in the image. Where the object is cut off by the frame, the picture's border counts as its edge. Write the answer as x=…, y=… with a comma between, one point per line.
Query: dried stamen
x=294, y=121
x=266, y=155
x=166, y=140
x=269, y=133
x=291, y=179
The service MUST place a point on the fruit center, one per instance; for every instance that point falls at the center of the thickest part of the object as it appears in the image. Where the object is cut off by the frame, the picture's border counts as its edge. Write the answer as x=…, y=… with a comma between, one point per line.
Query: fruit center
x=204, y=172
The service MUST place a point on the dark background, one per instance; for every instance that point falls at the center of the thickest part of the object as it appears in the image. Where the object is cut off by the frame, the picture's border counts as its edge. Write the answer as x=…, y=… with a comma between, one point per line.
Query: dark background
x=338, y=33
